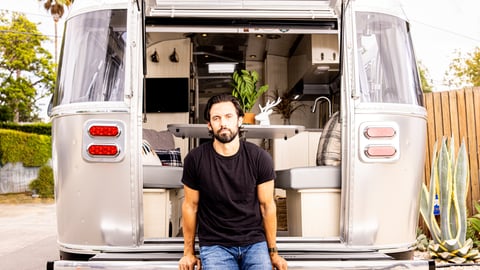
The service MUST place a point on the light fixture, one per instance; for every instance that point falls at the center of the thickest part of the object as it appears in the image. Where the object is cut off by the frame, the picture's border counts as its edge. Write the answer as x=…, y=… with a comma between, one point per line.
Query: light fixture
x=221, y=67
x=321, y=69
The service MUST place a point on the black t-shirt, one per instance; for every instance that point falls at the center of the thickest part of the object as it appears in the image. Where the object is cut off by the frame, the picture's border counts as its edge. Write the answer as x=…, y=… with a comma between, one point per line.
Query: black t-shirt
x=228, y=210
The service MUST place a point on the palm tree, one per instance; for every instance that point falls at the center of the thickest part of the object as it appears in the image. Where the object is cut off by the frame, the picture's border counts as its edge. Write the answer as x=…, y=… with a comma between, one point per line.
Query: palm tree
x=56, y=9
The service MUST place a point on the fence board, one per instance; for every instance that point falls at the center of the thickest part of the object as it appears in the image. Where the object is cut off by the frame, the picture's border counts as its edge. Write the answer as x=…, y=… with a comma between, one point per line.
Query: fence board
x=455, y=132
x=456, y=114
x=430, y=136
x=446, y=112
x=472, y=143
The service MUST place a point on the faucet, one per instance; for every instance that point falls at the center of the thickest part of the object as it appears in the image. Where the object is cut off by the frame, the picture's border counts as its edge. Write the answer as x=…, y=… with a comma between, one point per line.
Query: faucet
x=329, y=105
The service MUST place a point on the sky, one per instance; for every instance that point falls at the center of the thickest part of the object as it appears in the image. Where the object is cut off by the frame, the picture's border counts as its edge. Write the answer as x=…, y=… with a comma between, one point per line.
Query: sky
x=439, y=28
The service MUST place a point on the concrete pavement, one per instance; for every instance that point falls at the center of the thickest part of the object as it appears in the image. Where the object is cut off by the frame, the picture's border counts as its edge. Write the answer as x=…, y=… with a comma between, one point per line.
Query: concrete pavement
x=27, y=236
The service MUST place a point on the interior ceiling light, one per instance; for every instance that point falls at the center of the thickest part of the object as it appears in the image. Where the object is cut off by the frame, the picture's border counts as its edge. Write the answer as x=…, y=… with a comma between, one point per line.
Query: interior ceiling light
x=221, y=67
x=273, y=36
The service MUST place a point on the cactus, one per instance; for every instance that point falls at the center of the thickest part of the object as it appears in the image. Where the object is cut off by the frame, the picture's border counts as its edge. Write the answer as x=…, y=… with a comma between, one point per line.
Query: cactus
x=449, y=180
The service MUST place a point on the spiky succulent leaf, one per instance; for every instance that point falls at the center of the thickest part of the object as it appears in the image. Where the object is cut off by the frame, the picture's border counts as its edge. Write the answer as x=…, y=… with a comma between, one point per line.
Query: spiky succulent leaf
x=445, y=182
x=460, y=192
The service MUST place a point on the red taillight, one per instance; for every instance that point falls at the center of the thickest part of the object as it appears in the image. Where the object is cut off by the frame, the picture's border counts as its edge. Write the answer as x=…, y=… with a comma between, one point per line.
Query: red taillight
x=102, y=150
x=380, y=132
x=380, y=151
x=104, y=131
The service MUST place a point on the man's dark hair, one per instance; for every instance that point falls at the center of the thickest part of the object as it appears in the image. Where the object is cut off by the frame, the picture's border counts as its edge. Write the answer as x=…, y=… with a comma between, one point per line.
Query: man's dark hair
x=222, y=98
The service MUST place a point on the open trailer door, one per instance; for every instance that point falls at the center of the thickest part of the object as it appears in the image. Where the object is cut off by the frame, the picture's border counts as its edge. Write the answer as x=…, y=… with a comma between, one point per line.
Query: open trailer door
x=365, y=239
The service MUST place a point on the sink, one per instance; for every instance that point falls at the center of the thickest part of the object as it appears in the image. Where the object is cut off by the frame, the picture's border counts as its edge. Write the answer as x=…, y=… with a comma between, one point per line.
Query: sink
x=313, y=177
x=157, y=176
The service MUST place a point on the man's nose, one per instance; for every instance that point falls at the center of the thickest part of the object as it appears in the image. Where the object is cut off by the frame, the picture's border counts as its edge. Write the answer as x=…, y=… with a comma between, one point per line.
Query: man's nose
x=223, y=122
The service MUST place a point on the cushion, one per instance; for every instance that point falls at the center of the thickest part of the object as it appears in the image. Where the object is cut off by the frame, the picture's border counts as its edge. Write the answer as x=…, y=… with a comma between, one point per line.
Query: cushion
x=148, y=155
x=170, y=157
x=159, y=139
x=329, y=146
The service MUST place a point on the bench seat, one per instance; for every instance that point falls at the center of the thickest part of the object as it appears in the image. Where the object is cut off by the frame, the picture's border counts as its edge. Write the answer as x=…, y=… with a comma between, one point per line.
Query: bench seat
x=157, y=176
x=313, y=177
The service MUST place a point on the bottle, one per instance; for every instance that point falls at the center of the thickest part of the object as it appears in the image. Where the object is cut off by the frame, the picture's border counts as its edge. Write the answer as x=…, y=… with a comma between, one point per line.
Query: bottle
x=436, y=206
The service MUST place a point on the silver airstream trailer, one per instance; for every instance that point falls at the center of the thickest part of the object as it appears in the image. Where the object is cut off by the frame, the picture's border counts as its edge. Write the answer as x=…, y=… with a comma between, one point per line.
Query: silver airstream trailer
x=134, y=77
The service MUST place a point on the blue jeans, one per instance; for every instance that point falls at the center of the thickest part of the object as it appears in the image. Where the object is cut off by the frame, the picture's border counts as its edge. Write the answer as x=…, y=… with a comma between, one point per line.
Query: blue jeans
x=251, y=257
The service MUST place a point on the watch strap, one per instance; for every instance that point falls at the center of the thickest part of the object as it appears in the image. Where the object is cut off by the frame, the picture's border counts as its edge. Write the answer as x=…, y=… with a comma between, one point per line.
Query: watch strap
x=272, y=250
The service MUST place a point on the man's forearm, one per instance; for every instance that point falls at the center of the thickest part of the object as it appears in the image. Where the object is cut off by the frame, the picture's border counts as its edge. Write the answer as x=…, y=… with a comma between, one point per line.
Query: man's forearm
x=189, y=227
x=270, y=223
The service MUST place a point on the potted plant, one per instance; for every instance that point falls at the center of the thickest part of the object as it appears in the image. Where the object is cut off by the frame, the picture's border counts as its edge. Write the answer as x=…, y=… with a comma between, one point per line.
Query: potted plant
x=245, y=89
x=287, y=105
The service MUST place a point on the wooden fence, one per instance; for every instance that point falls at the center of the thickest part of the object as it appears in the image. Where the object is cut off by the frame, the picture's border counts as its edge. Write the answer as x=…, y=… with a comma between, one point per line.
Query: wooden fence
x=456, y=113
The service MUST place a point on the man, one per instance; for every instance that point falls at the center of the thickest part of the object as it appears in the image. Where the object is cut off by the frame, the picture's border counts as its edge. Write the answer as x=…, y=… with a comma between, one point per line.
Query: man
x=228, y=185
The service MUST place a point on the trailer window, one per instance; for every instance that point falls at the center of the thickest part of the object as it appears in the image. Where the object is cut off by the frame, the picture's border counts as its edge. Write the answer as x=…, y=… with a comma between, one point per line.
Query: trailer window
x=386, y=63
x=92, y=60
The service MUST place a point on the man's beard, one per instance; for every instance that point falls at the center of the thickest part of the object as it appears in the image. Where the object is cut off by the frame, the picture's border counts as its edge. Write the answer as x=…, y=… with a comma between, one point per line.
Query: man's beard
x=225, y=137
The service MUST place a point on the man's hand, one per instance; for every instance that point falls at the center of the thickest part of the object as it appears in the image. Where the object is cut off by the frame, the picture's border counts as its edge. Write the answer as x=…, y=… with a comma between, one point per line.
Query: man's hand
x=188, y=262
x=278, y=262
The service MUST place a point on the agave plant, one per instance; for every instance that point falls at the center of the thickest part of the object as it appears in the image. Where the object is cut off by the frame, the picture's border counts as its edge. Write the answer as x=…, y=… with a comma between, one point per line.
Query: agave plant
x=449, y=180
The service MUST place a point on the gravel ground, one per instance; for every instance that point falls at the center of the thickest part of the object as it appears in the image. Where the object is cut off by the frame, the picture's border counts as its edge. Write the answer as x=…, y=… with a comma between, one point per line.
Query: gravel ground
x=442, y=265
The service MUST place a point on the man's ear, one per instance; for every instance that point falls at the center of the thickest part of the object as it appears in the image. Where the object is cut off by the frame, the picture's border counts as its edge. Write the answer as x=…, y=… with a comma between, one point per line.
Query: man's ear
x=240, y=121
x=209, y=126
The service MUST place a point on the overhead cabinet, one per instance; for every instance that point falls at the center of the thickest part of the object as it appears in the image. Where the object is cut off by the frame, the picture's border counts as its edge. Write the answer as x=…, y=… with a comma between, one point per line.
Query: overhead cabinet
x=315, y=61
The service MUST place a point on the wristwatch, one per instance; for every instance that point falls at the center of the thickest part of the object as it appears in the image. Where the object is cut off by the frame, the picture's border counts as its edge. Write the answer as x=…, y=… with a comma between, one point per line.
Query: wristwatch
x=273, y=250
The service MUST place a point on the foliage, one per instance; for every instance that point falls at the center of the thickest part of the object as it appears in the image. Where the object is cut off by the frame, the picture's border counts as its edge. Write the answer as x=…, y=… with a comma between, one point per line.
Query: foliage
x=31, y=149
x=27, y=70
x=424, y=78
x=37, y=128
x=288, y=105
x=56, y=7
x=245, y=88
x=449, y=179
x=464, y=70
x=474, y=225
x=44, y=184
x=422, y=242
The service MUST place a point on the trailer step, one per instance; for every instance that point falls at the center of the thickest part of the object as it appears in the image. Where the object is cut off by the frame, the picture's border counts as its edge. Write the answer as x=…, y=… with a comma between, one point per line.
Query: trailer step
x=289, y=256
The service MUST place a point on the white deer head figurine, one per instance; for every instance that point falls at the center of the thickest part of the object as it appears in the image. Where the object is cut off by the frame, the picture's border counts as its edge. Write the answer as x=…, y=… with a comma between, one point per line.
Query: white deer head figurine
x=265, y=112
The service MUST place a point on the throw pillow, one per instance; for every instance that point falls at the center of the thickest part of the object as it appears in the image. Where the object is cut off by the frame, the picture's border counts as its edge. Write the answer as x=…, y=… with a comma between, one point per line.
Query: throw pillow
x=171, y=157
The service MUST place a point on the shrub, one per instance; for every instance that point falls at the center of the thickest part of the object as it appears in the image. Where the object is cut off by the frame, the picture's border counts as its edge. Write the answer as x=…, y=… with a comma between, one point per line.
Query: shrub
x=32, y=150
x=37, y=128
x=44, y=184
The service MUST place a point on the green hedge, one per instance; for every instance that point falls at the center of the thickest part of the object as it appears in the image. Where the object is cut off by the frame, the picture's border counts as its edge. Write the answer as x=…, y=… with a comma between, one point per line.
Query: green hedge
x=37, y=128
x=44, y=184
x=32, y=150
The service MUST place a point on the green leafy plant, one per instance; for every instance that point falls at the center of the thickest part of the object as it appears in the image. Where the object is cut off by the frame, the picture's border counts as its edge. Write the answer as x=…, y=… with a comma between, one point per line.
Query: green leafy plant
x=44, y=184
x=449, y=179
x=422, y=242
x=245, y=88
x=474, y=225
